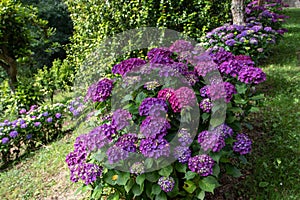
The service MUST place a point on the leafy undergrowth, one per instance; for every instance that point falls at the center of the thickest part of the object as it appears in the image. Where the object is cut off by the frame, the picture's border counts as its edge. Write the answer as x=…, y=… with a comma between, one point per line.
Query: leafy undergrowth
x=274, y=165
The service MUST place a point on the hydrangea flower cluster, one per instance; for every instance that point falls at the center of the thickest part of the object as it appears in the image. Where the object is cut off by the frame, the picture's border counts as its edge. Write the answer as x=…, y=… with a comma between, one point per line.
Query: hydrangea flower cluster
x=211, y=140
x=242, y=145
x=154, y=148
x=201, y=164
x=166, y=183
x=154, y=127
x=181, y=98
x=121, y=118
x=127, y=65
x=153, y=106
x=100, y=91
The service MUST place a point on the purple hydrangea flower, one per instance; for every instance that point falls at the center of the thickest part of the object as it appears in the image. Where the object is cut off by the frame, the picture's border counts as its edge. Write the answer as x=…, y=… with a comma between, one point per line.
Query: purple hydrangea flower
x=181, y=98
x=137, y=168
x=22, y=111
x=154, y=148
x=182, y=153
x=13, y=134
x=184, y=137
x=221, y=56
x=160, y=56
x=153, y=106
x=49, y=120
x=45, y=114
x=127, y=142
x=191, y=78
x=151, y=85
x=166, y=183
x=230, y=42
x=99, y=92
x=242, y=145
x=181, y=46
x=58, y=115
x=230, y=90
x=36, y=124
x=224, y=130
x=253, y=41
x=23, y=125
x=154, y=127
x=121, y=118
x=231, y=67
x=211, y=140
x=116, y=154
x=251, y=75
x=5, y=140
x=204, y=67
x=127, y=65
x=201, y=164
x=29, y=136
x=206, y=105
x=204, y=91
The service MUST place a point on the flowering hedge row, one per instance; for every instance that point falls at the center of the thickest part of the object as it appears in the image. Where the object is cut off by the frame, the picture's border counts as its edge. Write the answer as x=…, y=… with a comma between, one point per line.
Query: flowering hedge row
x=34, y=127
x=262, y=30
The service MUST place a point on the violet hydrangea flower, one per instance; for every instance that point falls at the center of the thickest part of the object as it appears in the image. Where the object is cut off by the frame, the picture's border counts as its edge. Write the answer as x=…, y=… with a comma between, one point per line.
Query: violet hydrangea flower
x=211, y=140
x=127, y=65
x=160, y=56
x=121, y=118
x=116, y=154
x=206, y=105
x=13, y=134
x=251, y=75
x=201, y=164
x=166, y=183
x=99, y=92
x=182, y=154
x=5, y=140
x=242, y=145
x=154, y=127
x=128, y=142
x=154, y=148
x=153, y=106
x=184, y=137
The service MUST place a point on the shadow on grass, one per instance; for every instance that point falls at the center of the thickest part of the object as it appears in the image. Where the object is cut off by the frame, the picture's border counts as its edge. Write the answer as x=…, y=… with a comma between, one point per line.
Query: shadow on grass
x=31, y=153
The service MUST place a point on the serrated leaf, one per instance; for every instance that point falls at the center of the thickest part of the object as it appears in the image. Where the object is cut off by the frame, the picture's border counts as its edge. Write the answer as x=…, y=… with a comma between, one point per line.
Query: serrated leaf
x=140, y=179
x=166, y=171
x=190, y=175
x=241, y=89
x=161, y=196
x=140, y=97
x=152, y=177
x=114, y=196
x=123, y=177
x=189, y=186
x=208, y=184
x=201, y=195
x=180, y=167
x=258, y=97
x=216, y=170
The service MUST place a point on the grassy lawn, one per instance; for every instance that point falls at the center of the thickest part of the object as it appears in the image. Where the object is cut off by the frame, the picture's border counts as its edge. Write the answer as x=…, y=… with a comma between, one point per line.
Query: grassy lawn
x=274, y=169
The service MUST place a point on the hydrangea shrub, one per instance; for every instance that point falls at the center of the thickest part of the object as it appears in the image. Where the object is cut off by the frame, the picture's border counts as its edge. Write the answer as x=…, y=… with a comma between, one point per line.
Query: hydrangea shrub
x=36, y=126
x=148, y=119
x=263, y=29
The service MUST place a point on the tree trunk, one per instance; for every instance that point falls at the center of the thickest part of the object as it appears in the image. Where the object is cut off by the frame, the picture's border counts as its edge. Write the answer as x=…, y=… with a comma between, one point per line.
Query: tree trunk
x=10, y=66
x=237, y=10
x=260, y=2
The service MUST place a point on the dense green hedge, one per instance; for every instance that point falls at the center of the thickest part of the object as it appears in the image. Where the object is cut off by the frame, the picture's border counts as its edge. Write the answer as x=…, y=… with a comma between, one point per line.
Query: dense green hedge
x=95, y=19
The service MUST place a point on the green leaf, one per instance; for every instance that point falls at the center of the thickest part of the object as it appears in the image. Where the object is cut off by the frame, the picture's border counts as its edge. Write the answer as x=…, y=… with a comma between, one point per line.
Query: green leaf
x=114, y=196
x=156, y=189
x=205, y=116
x=263, y=184
x=137, y=190
x=233, y=171
x=129, y=185
x=190, y=175
x=254, y=109
x=258, y=97
x=127, y=97
x=180, y=167
x=189, y=186
x=123, y=177
x=208, y=184
x=216, y=170
x=152, y=177
x=241, y=89
x=148, y=162
x=140, y=97
x=161, y=196
x=97, y=192
x=166, y=171
x=140, y=179
x=201, y=195
x=109, y=177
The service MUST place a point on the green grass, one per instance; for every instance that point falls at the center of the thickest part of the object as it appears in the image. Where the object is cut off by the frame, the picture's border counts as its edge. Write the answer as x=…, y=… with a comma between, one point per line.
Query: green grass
x=274, y=168
x=275, y=171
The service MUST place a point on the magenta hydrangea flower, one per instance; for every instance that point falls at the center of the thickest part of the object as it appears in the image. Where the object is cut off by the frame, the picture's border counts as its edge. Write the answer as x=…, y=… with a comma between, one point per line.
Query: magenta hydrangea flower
x=154, y=127
x=22, y=111
x=153, y=106
x=251, y=75
x=36, y=124
x=127, y=65
x=58, y=115
x=181, y=98
x=201, y=164
x=206, y=105
x=121, y=118
x=211, y=140
x=166, y=183
x=154, y=148
x=243, y=144
x=100, y=91
x=203, y=68
x=165, y=93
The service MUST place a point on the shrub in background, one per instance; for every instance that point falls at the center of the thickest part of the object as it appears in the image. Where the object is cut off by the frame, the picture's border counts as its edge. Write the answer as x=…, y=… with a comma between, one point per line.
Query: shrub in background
x=158, y=110
x=34, y=127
